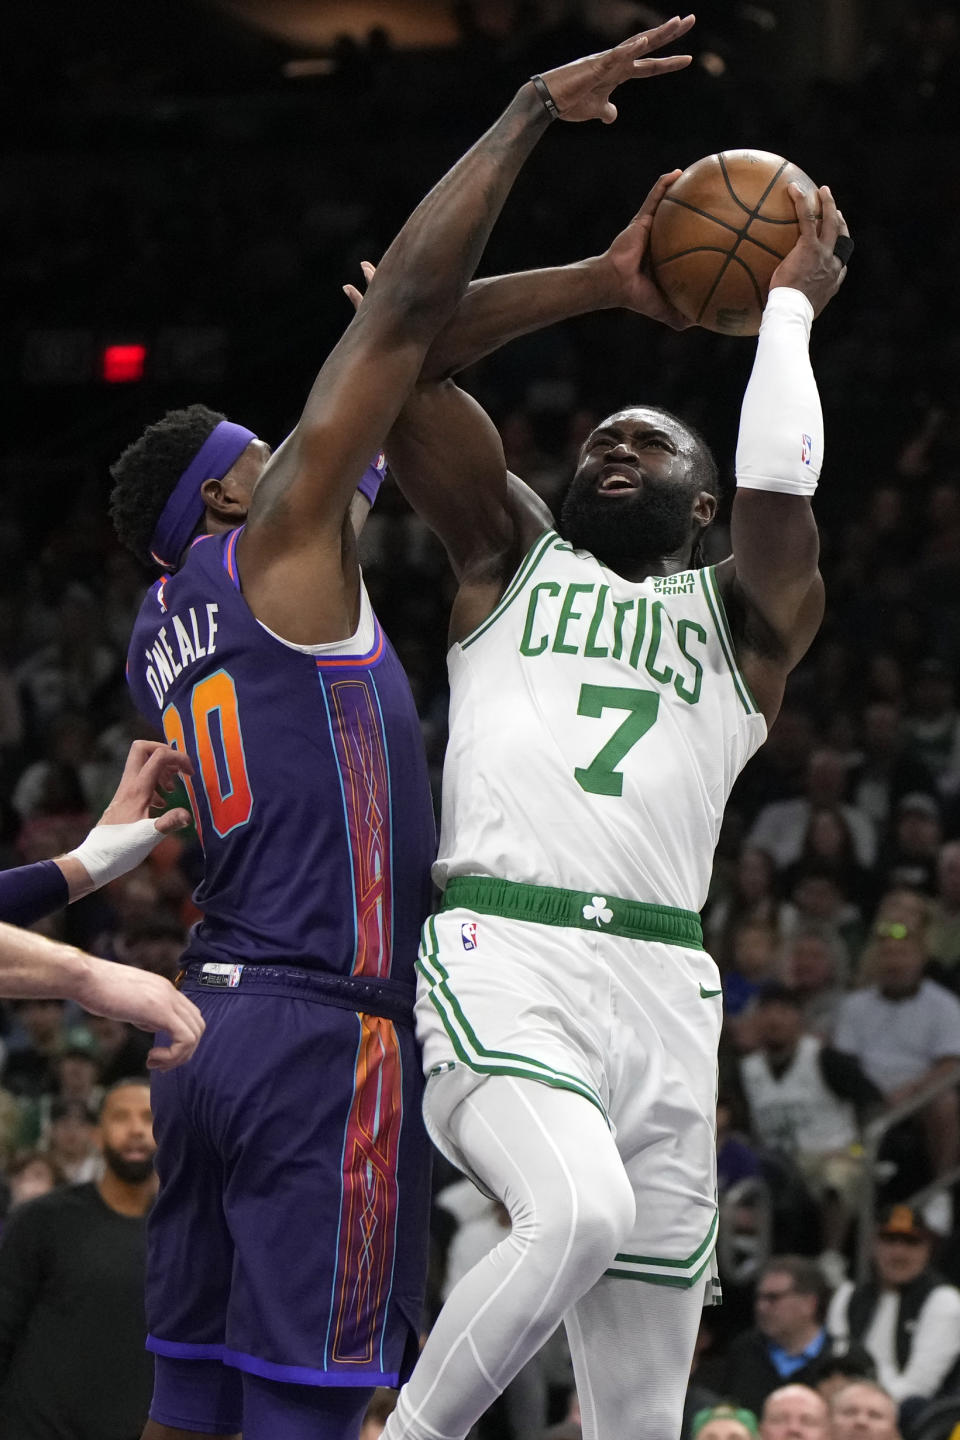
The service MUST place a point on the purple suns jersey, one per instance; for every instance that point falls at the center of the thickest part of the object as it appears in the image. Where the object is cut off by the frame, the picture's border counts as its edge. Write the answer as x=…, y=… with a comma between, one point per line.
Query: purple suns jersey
x=310, y=791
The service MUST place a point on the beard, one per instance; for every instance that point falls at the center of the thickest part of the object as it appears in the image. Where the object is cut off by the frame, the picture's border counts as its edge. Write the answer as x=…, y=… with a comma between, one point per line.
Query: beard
x=131, y=1172
x=653, y=523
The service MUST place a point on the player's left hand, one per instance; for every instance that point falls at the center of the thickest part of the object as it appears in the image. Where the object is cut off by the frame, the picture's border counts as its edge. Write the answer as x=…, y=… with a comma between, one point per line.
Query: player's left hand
x=148, y=778
x=582, y=89
x=626, y=259
x=811, y=266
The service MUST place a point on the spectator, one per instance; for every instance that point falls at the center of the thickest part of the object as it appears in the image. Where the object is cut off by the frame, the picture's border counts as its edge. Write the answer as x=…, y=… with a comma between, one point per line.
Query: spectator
x=810, y=969
x=788, y=1342
x=33, y=1173
x=30, y=1071
x=830, y=849
x=794, y=1412
x=753, y=964
x=905, y=1032
x=72, y=1328
x=781, y=827
x=934, y=722
x=817, y=902
x=886, y=771
x=840, y=1372
x=863, y=1410
x=909, y=859
x=803, y=1100
x=724, y=1422
x=906, y=1316
x=72, y=1141
x=752, y=898
x=943, y=931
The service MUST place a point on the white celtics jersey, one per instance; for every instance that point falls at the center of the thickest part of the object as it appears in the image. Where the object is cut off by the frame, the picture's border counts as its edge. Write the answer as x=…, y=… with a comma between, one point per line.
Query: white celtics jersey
x=596, y=729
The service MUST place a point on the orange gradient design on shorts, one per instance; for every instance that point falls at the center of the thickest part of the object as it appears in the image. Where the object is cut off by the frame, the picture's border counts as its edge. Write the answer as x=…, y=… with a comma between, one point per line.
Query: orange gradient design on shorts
x=369, y=1208
x=173, y=730
x=230, y=809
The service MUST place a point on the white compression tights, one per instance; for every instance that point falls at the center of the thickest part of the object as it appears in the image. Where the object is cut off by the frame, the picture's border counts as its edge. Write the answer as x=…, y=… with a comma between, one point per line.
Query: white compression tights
x=548, y=1155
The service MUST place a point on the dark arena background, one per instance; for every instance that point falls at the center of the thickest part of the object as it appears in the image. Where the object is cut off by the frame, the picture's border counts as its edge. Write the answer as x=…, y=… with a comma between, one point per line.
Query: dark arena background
x=184, y=189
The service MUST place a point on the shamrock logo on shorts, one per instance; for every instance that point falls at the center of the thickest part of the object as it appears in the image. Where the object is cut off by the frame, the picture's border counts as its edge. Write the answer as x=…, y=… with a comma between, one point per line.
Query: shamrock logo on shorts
x=598, y=911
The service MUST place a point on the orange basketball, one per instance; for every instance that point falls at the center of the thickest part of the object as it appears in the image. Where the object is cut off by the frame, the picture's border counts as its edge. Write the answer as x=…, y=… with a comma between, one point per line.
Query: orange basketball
x=720, y=232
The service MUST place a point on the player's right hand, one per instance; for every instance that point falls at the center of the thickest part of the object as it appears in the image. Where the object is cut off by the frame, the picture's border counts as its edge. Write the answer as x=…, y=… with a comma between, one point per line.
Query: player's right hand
x=811, y=266
x=148, y=1001
x=582, y=89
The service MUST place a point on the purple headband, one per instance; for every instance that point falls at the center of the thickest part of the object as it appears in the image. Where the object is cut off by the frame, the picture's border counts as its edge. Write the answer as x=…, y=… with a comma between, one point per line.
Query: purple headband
x=184, y=508
x=373, y=477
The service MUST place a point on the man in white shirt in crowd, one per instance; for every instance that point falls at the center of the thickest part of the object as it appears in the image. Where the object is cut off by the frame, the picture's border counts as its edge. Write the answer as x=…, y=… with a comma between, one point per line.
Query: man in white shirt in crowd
x=803, y=1098
x=906, y=1317
x=905, y=1031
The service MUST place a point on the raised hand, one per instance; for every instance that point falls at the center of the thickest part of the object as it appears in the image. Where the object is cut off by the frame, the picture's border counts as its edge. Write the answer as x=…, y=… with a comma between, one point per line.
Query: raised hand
x=812, y=267
x=148, y=777
x=582, y=89
x=626, y=256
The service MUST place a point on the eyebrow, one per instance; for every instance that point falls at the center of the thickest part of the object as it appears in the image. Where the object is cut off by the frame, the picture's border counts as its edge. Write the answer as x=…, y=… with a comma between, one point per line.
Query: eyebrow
x=616, y=432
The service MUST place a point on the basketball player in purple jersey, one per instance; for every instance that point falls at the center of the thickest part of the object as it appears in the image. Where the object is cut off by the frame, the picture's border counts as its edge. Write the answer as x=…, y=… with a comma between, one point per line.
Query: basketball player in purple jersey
x=287, y=1243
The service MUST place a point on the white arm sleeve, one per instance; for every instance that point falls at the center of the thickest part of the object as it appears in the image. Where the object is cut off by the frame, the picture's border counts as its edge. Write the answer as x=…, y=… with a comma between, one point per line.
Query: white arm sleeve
x=780, y=446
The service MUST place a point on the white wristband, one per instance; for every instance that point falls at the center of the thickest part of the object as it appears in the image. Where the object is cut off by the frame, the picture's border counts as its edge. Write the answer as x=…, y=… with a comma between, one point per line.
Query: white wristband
x=112, y=850
x=780, y=445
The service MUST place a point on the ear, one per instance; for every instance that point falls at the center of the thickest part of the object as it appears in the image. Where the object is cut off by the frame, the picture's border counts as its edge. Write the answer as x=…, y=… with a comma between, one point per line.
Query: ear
x=224, y=500
x=705, y=508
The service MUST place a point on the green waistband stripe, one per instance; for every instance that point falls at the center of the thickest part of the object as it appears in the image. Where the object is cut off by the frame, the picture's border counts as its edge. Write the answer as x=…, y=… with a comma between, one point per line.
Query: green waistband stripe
x=576, y=909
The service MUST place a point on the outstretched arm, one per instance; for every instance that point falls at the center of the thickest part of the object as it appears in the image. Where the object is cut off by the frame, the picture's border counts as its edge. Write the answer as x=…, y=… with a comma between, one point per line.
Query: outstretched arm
x=772, y=583
x=296, y=522
x=499, y=308
x=33, y=967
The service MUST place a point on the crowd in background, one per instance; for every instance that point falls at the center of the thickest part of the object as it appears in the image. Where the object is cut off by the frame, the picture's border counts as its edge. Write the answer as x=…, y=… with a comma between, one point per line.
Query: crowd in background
x=231, y=215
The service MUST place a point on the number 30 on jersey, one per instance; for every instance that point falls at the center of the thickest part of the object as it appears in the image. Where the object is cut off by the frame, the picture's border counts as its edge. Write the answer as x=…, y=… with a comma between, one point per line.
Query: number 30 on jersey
x=217, y=750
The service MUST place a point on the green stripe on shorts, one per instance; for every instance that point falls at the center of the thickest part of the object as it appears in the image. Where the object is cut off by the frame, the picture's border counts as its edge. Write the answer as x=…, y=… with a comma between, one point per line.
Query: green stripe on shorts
x=577, y=909
x=681, y=1274
x=467, y=1045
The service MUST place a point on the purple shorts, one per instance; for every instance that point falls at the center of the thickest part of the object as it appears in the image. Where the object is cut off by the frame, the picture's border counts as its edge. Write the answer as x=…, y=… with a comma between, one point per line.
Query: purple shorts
x=289, y=1237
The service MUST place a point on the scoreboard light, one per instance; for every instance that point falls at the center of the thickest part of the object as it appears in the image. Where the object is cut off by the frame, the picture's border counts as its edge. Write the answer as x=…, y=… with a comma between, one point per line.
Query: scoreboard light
x=123, y=364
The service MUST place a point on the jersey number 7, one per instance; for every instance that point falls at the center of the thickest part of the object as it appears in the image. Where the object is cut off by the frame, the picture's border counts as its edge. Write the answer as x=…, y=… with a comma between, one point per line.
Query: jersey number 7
x=600, y=777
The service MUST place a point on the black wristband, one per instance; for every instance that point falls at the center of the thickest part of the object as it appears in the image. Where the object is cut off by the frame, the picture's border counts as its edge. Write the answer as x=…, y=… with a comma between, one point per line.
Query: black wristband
x=543, y=90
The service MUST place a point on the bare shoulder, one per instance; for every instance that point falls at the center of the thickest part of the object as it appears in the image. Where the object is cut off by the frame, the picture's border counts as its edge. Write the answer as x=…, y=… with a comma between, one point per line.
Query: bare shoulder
x=484, y=582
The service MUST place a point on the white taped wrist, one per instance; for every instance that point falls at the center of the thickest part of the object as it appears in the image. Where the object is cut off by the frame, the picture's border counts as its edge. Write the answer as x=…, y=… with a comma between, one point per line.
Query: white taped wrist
x=112, y=850
x=780, y=445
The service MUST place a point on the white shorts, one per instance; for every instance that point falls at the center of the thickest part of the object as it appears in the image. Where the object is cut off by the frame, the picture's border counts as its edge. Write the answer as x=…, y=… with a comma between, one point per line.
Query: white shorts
x=632, y=1026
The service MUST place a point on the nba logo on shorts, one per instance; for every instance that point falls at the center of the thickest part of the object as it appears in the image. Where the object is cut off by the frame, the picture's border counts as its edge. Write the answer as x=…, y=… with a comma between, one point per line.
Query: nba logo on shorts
x=235, y=974
x=468, y=934
x=806, y=449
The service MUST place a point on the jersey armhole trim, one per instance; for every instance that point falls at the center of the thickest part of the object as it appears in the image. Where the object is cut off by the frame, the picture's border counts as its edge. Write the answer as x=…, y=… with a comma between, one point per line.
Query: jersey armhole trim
x=526, y=568
x=718, y=611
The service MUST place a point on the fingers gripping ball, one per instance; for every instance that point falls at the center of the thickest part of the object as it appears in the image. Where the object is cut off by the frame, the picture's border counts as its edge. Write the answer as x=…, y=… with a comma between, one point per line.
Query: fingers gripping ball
x=721, y=231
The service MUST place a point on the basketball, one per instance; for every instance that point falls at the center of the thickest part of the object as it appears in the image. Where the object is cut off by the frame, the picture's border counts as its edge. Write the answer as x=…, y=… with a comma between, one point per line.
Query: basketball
x=720, y=232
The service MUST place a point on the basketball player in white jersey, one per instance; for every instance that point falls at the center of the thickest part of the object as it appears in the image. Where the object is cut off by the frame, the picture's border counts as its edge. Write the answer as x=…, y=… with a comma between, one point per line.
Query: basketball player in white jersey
x=605, y=693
